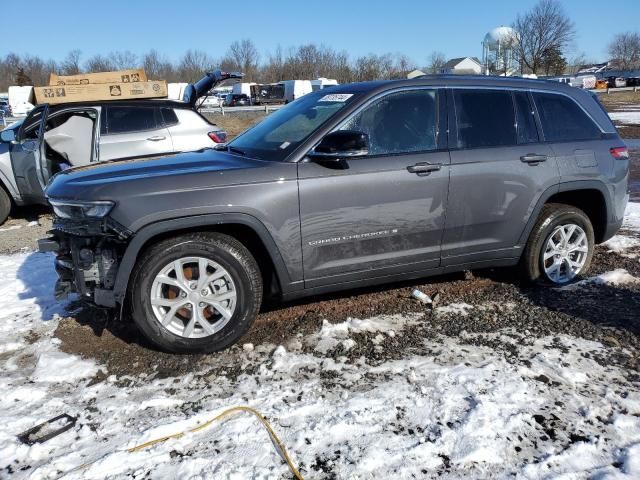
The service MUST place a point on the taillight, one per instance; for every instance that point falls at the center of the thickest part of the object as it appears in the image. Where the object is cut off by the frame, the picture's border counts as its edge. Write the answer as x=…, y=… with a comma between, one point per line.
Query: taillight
x=218, y=137
x=619, y=153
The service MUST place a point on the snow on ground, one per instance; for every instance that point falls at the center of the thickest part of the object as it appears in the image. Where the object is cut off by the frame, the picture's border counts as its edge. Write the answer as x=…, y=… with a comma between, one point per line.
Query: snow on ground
x=632, y=217
x=629, y=117
x=449, y=408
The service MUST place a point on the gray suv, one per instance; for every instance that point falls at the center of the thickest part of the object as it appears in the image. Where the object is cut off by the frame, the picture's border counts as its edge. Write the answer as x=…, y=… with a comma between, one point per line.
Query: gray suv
x=355, y=185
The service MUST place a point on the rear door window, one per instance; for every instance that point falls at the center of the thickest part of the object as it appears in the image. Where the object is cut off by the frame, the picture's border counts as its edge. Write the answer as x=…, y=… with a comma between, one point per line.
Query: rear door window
x=563, y=120
x=402, y=122
x=126, y=119
x=526, y=122
x=169, y=117
x=485, y=118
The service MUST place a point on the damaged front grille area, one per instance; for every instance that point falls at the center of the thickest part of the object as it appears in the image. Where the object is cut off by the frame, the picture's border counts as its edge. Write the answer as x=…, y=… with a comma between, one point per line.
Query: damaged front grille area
x=88, y=254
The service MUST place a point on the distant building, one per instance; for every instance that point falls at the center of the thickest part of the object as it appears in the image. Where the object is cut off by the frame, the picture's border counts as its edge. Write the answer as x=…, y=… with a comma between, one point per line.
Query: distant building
x=462, y=66
x=415, y=73
x=594, y=68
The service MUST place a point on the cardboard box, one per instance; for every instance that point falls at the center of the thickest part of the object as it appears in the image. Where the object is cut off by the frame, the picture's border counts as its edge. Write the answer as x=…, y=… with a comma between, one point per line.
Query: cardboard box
x=100, y=92
x=122, y=76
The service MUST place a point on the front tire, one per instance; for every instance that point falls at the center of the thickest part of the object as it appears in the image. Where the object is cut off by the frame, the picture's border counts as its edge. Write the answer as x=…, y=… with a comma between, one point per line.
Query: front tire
x=560, y=246
x=196, y=293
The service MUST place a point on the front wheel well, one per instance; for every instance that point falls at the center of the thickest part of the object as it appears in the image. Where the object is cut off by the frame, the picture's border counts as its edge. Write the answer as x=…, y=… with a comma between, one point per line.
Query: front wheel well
x=592, y=203
x=245, y=235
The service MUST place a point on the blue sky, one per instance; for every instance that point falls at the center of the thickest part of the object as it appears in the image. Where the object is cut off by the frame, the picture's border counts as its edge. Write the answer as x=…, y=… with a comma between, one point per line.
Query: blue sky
x=414, y=27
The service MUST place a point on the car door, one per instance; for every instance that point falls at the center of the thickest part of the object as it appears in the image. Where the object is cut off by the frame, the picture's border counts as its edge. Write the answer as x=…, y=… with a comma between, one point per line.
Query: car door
x=499, y=170
x=133, y=131
x=383, y=213
x=27, y=156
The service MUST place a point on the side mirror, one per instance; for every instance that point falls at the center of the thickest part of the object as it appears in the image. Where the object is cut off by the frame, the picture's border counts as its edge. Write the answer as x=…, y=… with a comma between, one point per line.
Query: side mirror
x=8, y=135
x=341, y=144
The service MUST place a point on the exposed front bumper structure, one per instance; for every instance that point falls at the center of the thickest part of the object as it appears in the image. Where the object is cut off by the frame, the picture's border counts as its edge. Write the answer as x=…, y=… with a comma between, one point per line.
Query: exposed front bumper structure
x=87, y=258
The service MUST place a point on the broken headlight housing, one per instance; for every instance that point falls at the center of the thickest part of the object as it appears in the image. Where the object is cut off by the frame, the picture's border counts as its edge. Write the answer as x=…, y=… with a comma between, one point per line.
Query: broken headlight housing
x=80, y=210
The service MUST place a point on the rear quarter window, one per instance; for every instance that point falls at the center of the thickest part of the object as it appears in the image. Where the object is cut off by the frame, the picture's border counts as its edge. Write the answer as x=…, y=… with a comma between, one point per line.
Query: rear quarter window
x=563, y=120
x=169, y=117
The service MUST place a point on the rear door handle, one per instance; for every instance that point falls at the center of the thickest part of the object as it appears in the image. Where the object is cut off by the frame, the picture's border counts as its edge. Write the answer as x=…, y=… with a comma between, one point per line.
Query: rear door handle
x=157, y=138
x=424, y=168
x=533, y=158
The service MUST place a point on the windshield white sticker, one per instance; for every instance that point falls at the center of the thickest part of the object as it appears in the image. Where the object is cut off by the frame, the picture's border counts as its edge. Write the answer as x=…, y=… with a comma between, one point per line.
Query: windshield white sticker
x=284, y=145
x=336, y=97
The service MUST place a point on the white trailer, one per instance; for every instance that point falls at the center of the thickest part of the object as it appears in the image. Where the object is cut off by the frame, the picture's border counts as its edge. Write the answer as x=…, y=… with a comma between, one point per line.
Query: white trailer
x=20, y=99
x=242, y=88
x=294, y=89
x=320, y=83
x=175, y=91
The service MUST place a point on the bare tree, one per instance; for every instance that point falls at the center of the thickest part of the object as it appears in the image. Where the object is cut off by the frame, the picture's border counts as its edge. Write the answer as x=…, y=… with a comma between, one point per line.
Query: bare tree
x=123, y=60
x=373, y=67
x=273, y=70
x=402, y=66
x=544, y=27
x=624, y=51
x=244, y=56
x=158, y=68
x=193, y=65
x=98, y=63
x=436, y=62
x=71, y=63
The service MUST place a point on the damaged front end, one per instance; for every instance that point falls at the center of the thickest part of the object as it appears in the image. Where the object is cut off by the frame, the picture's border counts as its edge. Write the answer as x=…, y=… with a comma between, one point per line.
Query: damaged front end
x=88, y=247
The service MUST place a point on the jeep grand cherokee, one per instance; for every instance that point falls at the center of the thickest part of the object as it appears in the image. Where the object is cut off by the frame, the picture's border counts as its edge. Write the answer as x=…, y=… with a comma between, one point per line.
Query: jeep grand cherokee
x=358, y=184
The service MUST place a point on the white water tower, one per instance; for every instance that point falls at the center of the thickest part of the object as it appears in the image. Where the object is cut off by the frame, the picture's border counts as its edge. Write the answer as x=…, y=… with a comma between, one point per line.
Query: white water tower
x=499, y=51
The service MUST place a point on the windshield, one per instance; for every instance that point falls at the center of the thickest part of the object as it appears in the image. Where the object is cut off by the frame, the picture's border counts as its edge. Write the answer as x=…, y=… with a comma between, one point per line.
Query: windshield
x=282, y=131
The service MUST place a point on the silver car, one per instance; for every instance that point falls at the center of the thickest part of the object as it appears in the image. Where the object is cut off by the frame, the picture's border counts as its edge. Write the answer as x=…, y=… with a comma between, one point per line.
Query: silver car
x=54, y=138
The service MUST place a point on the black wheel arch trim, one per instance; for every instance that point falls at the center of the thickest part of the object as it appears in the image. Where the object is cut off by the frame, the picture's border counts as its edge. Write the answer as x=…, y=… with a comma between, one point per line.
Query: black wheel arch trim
x=565, y=187
x=148, y=232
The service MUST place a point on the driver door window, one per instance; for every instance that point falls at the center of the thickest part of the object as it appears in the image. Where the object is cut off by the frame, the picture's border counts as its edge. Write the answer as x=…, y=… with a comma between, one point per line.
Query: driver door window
x=403, y=122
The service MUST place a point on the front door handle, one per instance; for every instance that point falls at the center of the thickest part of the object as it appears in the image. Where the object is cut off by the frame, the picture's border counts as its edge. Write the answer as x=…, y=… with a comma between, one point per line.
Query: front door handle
x=157, y=138
x=424, y=168
x=533, y=158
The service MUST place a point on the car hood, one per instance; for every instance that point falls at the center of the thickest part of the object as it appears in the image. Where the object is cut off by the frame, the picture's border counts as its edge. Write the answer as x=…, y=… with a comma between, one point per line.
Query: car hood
x=203, y=168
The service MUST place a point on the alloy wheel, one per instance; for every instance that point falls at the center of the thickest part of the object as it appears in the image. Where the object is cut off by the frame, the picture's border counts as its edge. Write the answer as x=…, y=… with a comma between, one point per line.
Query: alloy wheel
x=193, y=297
x=565, y=253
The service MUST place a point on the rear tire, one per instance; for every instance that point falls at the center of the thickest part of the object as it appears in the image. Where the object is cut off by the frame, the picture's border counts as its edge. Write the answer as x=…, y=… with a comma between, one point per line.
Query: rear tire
x=560, y=246
x=5, y=205
x=208, y=306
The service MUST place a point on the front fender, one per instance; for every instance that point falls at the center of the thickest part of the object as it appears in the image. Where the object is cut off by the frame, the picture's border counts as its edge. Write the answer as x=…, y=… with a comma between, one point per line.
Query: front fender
x=147, y=233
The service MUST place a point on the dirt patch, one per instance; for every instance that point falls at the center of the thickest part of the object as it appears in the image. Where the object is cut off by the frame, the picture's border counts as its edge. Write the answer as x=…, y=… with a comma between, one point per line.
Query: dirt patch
x=23, y=229
x=628, y=130
x=615, y=100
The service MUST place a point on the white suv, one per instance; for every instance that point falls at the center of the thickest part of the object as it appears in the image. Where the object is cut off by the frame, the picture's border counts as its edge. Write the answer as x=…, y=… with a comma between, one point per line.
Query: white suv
x=53, y=138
